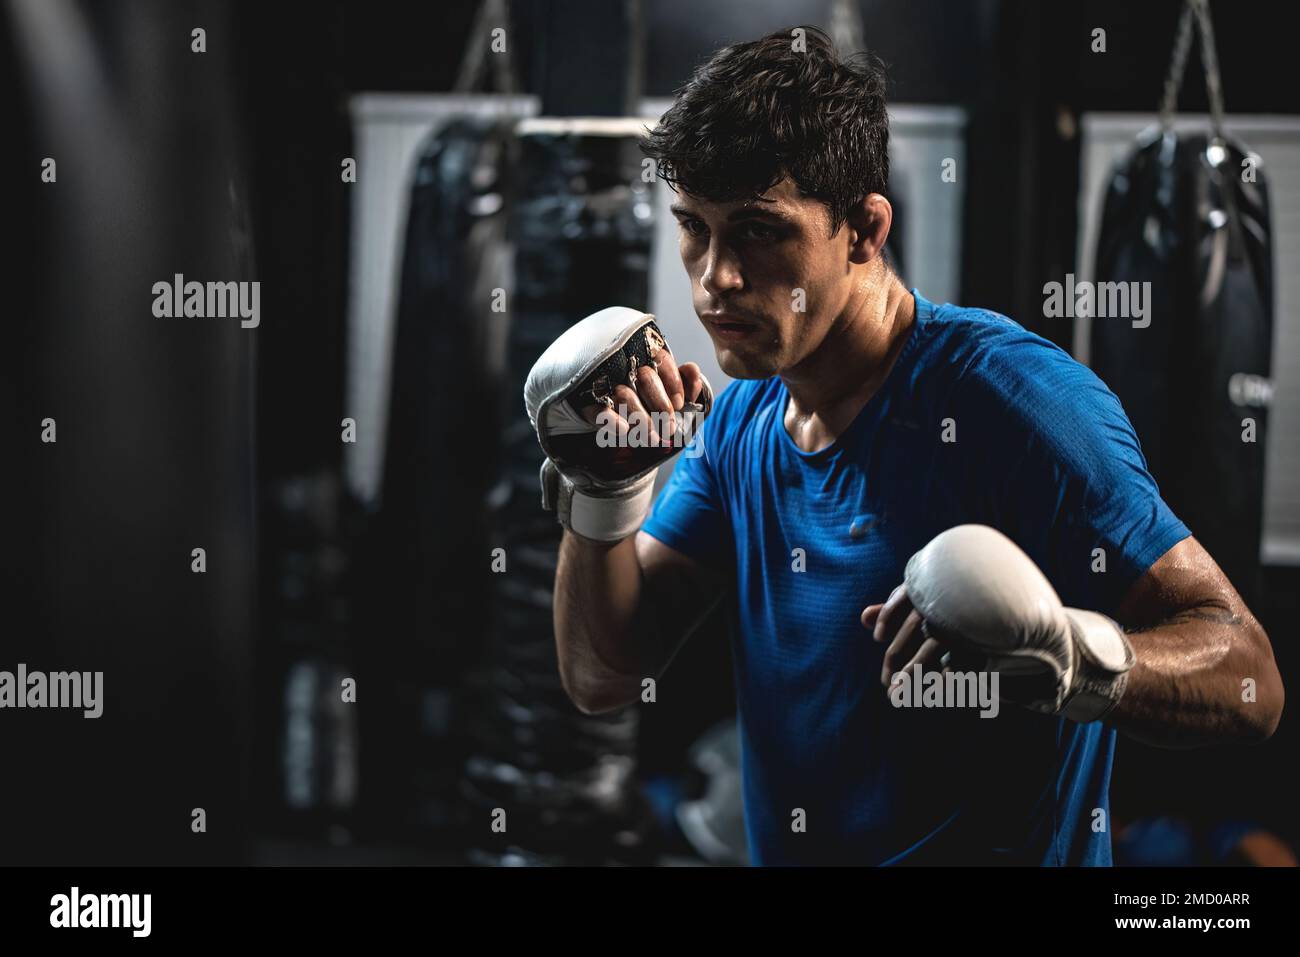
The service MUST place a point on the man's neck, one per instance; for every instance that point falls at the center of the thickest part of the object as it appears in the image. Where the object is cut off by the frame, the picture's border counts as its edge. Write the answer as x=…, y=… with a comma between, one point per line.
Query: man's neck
x=830, y=387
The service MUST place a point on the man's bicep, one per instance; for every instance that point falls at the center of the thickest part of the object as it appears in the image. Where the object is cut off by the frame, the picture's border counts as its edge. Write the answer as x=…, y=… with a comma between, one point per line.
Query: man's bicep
x=1185, y=577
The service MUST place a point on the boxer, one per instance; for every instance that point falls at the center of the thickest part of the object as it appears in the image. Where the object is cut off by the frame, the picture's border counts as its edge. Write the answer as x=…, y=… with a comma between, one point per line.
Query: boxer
x=890, y=484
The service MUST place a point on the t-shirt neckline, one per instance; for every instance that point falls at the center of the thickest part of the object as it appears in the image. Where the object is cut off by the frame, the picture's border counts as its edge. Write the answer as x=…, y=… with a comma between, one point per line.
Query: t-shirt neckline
x=924, y=310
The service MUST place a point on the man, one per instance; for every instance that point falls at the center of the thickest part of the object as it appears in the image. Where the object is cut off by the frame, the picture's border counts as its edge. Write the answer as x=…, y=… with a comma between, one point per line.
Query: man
x=870, y=425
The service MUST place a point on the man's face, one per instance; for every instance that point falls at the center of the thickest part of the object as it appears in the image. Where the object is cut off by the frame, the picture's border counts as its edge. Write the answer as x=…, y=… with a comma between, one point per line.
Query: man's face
x=754, y=265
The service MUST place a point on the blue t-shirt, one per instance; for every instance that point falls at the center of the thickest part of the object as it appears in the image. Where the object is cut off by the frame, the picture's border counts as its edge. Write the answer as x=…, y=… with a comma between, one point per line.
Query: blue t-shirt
x=978, y=421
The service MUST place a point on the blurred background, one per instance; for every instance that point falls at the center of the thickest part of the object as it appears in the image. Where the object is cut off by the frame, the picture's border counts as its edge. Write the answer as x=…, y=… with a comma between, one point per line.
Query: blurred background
x=428, y=194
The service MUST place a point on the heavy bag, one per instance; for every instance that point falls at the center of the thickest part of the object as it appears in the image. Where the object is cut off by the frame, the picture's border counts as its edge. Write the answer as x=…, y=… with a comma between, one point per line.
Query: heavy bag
x=447, y=406
x=1189, y=215
x=427, y=597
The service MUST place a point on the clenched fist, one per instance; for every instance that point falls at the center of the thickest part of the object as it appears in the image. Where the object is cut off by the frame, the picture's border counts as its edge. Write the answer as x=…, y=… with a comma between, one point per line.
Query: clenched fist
x=610, y=405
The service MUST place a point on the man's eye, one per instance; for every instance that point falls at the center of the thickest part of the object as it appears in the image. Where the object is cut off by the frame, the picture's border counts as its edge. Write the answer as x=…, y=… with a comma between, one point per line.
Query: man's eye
x=693, y=227
x=760, y=232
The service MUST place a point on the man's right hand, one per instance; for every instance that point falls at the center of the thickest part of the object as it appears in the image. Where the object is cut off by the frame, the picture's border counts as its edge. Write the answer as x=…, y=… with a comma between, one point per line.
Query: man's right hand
x=610, y=405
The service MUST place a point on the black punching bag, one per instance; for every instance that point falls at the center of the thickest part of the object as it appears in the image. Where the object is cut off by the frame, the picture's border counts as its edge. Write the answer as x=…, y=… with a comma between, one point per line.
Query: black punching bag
x=1189, y=215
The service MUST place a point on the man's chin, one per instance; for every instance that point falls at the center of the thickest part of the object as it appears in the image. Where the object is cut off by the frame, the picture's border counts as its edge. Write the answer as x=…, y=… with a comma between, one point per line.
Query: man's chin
x=741, y=366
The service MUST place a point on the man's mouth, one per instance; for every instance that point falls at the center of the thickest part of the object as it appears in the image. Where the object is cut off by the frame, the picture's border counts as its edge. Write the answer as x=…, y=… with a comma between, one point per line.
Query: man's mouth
x=729, y=327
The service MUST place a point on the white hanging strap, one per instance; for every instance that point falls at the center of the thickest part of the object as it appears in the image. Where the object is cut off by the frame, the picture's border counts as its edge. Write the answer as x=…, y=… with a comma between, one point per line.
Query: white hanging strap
x=1210, y=57
x=1196, y=13
x=491, y=14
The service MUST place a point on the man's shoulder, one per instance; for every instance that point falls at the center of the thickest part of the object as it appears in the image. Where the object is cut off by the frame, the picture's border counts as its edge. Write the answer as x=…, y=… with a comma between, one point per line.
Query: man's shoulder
x=739, y=408
x=982, y=336
x=742, y=400
x=1001, y=378
x=988, y=351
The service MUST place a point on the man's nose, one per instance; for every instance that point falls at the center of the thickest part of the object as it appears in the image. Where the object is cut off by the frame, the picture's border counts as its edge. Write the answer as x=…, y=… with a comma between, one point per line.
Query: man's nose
x=721, y=272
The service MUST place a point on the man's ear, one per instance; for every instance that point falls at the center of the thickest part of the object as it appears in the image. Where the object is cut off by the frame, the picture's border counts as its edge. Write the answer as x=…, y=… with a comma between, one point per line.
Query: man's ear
x=869, y=221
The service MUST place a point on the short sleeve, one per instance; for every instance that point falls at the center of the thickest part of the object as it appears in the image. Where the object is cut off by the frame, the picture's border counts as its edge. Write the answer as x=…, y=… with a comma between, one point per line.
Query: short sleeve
x=689, y=514
x=1074, y=488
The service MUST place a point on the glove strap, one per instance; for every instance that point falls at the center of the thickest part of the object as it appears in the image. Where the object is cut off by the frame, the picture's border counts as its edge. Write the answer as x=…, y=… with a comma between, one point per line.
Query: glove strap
x=606, y=515
x=1103, y=660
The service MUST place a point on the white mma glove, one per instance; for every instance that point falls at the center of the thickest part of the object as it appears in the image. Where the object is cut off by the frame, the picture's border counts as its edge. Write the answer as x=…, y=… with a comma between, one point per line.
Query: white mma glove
x=985, y=598
x=599, y=493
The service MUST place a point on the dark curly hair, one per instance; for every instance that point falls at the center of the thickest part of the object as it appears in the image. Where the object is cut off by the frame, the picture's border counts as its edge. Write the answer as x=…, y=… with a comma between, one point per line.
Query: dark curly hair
x=759, y=111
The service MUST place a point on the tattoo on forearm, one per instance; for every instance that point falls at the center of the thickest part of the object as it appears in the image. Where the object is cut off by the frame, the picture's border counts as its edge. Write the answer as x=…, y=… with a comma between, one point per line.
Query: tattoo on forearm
x=1211, y=613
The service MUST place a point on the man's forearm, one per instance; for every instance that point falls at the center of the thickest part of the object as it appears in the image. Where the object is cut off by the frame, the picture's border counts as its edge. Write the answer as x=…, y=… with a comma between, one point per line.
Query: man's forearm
x=599, y=633
x=1190, y=685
